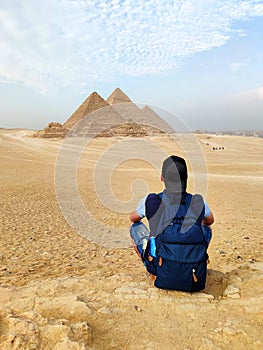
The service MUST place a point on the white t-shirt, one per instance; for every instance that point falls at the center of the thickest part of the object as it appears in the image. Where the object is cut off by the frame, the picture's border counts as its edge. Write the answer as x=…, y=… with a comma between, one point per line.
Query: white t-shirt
x=140, y=210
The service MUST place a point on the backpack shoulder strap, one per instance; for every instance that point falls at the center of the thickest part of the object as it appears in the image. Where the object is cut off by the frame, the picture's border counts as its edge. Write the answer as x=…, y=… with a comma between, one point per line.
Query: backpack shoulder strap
x=197, y=207
x=160, y=195
x=152, y=204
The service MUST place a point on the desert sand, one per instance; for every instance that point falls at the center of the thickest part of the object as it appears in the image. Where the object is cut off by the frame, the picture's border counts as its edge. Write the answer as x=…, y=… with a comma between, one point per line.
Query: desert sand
x=60, y=290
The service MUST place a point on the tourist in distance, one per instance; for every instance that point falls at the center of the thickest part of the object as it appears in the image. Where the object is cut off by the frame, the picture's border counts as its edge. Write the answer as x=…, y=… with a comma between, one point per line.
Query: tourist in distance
x=174, y=250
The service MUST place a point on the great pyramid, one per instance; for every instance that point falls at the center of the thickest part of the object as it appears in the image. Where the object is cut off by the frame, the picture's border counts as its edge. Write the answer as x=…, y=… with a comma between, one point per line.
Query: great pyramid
x=91, y=104
x=117, y=96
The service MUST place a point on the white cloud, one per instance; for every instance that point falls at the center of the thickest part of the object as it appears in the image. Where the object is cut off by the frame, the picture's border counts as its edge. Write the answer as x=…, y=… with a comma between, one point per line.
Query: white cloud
x=250, y=95
x=56, y=44
x=236, y=66
x=241, y=33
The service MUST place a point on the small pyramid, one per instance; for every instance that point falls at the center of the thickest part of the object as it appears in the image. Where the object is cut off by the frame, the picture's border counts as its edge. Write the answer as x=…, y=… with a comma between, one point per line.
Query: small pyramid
x=52, y=130
x=91, y=104
x=118, y=96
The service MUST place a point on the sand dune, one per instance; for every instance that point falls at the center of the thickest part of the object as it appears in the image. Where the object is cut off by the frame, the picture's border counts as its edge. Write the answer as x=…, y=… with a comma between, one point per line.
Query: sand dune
x=61, y=291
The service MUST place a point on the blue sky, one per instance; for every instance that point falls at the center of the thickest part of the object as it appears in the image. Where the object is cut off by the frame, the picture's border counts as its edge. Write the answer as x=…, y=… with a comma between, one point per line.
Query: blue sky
x=201, y=60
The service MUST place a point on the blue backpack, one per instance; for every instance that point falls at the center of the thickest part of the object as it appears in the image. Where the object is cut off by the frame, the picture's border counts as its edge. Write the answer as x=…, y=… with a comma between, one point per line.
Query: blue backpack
x=181, y=247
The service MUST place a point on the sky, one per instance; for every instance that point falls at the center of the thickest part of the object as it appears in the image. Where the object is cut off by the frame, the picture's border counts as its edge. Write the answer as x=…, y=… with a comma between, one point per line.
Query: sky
x=199, y=60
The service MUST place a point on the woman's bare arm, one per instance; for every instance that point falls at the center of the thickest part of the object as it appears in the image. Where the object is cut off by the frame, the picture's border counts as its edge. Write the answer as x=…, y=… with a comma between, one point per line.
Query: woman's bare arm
x=134, y=217
x=209, y=220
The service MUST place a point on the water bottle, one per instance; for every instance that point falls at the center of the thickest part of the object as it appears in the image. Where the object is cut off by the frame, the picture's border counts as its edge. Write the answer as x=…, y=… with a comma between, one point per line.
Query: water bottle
x=152, y=249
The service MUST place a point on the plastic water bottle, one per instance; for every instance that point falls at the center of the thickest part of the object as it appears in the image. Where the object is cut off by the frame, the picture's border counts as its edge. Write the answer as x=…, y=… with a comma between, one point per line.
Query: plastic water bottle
x=152, y=249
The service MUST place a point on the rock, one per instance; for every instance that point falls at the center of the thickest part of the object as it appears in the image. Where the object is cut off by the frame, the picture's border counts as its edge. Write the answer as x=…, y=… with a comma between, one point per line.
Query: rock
x=222, y=252
x=257, y=266
x=31, y=331
x=203, y=296
x=67, y=344
x=19, y=333
x=258, y=344
x=128, y=292
x=81, y=331
x=70, y=336
x=232, y=292
x=137, y=308
x=69, y=308
x=208, y=344
x=230, y=331
x=230, y=328
x=132, y=288
x=58, y=333
x=22, y=305
x=105, y=310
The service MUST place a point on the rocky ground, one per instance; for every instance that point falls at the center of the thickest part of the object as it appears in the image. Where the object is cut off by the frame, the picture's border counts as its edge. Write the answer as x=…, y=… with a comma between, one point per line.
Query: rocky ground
x=60, y=290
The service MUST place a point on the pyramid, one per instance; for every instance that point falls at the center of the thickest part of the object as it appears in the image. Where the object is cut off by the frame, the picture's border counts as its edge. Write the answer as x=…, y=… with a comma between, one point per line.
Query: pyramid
x=91, y=104
x=137, y=122
x=118, y=96
x=156, y=121
x=117, y=116
x=125, y=107
x=52, y=130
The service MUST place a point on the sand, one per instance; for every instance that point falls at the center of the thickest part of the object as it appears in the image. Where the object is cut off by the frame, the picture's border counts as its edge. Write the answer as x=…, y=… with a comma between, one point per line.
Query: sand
x=100, y=297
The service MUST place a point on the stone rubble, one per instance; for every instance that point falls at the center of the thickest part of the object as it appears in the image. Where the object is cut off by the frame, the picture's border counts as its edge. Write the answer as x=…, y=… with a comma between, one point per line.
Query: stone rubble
x=57, y=314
